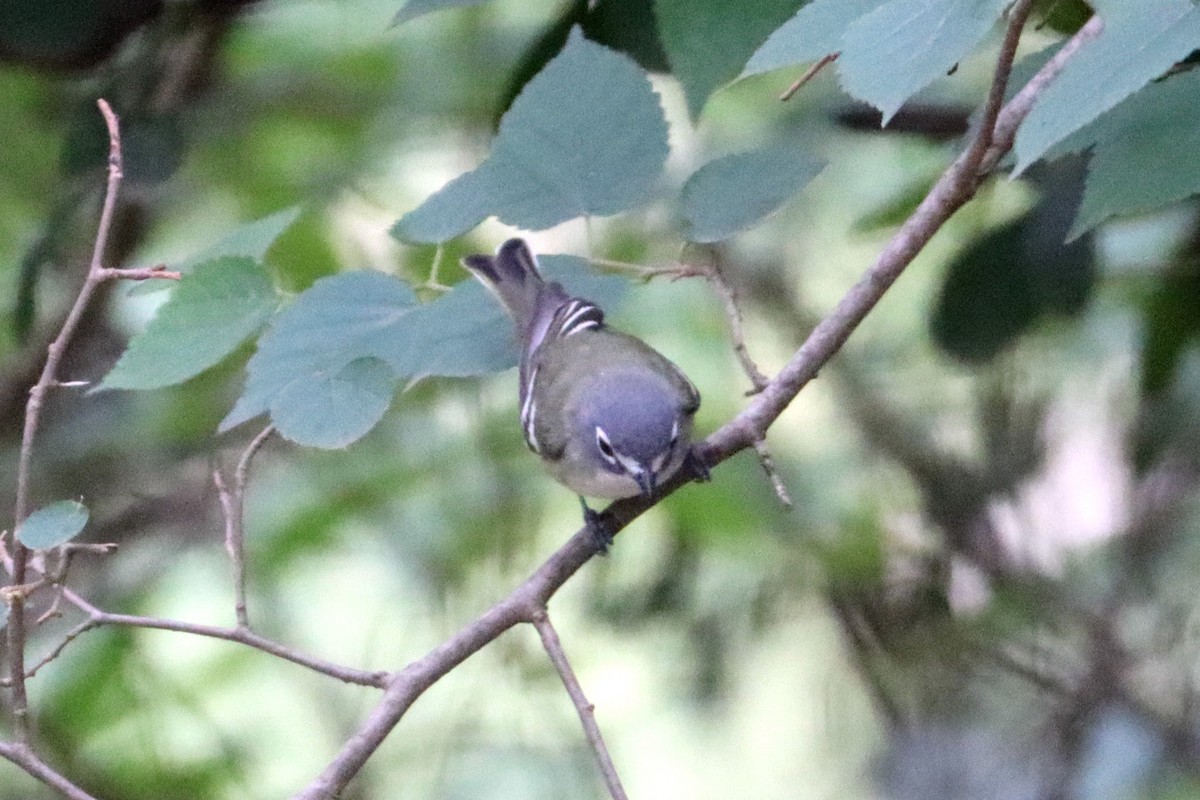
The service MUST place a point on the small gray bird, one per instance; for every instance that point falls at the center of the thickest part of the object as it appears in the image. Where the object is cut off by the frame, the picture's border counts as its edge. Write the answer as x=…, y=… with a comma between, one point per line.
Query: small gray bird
x=610, y=416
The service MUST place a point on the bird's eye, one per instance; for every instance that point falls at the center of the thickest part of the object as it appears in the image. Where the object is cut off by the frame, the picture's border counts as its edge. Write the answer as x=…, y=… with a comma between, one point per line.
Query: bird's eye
x=606, y=448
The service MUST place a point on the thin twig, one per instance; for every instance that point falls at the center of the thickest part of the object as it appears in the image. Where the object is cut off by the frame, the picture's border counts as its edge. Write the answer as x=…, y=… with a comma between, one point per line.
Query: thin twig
x=768, y=464
x=811, y=73
x=586, y=711
x=139, y=273
x=956, y=186
x=21, y=755
x=737, y=332
x=33, y=411
x=233, y=504
x=377, y=680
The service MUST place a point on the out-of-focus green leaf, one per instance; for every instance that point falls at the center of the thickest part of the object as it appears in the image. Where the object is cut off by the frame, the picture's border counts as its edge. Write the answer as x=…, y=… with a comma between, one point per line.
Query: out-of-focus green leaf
x=416, y=8
x=333, y=409
x=301, y=360
x=900, y=48
x=69, y=33
x=585, y=137
x=1064, y=16
x=152, y=146
x=1140, y=41
x=735, y=192
x=211, y=312
x=1145, y=152
x=894, y=210
x=52, y=525
x=709, y=41
x=815, y=31
x=1008, y=279
x=1171, y=322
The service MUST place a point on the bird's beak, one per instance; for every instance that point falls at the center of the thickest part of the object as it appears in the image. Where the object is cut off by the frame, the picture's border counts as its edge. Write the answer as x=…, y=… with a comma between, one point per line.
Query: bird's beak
x=646, y=482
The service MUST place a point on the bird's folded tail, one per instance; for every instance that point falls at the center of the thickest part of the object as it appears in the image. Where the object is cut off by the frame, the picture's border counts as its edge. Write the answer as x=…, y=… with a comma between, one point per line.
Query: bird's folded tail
x=512, y=275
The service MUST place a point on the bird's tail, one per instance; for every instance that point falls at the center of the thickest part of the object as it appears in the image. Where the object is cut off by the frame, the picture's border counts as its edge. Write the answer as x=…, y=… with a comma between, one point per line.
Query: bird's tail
x=512, y=275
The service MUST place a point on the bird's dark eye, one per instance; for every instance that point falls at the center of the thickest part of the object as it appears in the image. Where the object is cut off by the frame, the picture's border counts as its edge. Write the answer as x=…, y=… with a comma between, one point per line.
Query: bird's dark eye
x=606, y=448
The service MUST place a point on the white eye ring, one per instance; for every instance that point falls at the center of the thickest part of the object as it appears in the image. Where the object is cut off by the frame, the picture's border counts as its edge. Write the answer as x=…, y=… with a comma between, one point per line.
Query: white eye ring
x=605, y=447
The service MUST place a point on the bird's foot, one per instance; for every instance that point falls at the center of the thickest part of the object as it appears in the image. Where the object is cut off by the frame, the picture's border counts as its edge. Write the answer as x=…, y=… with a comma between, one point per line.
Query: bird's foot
x=597, y=525
x=697, y=465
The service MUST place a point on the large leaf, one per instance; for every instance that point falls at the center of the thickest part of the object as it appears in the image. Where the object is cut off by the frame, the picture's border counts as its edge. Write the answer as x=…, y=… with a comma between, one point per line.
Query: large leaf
x=52, y=525
x=1140, y=42
x=815, y=31
x=900, y=48
x=1145, y=152
x=328, y=365
x=212, y=311
x=709, y=41
x=585, y=137
x=737, y=191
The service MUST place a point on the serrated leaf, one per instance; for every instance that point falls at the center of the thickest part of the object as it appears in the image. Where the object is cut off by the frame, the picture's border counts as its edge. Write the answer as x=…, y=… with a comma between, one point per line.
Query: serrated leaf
x=1139, y=43
x=586, y=136
x=815, y=31
x=735, y=192
x=211, y=311
x=709, y=41
x=416, y=8
x=1145, y=152
x=451, y=211
x=333, y=409
x=903, y=46
x=52, y=525
x=364, y=315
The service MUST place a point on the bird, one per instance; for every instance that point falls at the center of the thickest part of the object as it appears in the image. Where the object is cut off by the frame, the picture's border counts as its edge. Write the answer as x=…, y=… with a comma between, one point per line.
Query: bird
x=609, y=415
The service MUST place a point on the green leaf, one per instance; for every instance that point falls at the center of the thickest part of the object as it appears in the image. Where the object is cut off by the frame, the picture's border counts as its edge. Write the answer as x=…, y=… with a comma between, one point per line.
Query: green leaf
x=1145, y=154
x=251, y=240
x=815, y=31
x=299, y=372
x=586, y=136
x=210, y=312
x=52, y=525
x=900, y=48
x=449, y=212
x=416, y=8
x=338, y=320
x=709, y=41
x=1140, y=41
x=334, y=408
x=735, y=192
x=1003, y=283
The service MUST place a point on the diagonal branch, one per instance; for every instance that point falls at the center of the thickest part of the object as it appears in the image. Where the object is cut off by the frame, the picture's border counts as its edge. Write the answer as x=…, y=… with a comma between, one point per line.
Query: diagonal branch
x=26, y=759
x=956, y=186
x=586, y=711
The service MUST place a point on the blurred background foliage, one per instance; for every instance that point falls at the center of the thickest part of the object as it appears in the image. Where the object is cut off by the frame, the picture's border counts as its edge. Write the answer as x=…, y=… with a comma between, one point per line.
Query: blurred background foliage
x=985, y=588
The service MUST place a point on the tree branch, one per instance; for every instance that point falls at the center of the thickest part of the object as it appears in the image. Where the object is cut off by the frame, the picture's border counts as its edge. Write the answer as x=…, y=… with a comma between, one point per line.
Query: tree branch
x=586, y=711
x=26, y=759
x=956, y=186
x=33, y=412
